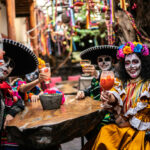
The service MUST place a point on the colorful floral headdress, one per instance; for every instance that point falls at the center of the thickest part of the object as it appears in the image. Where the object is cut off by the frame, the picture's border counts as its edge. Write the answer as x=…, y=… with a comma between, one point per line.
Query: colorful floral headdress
x=41, y=63
x=132, y=47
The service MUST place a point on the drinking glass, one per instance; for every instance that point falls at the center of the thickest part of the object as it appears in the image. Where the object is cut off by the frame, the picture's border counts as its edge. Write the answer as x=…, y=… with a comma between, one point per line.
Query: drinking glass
x=47, y=71
x=85, y=63
x=107, y=82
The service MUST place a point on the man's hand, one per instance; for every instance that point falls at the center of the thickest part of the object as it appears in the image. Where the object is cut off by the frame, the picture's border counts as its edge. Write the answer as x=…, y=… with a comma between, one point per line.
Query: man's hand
x=34, y=98
x=80, y=95
x=90, y=70
x=43, y=76
x=8, y=118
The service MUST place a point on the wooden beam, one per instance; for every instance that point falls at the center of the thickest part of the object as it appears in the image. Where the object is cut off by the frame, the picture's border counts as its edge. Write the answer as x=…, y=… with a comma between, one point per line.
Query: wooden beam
x=32, y=25
x=10, y=7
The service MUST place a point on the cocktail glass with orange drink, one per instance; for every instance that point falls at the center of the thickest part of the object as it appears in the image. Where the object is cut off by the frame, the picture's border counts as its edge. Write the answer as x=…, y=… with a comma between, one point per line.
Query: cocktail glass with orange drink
x=107, y=82
x=85, y=63
x=47, y=72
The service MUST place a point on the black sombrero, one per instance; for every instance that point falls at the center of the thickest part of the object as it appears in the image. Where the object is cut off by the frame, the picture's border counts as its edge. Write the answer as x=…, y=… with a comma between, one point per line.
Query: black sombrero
x=93, y=52
x=25, y=60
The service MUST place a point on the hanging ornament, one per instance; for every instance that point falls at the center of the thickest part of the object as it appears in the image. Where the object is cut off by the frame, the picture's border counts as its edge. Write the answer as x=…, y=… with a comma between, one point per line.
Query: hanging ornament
x=109, y=15
x=71, y=13
x=123, y=4
x=103, y=8
x=78, y=2
x=134, y=6
x=53, y=12
x=87, y=16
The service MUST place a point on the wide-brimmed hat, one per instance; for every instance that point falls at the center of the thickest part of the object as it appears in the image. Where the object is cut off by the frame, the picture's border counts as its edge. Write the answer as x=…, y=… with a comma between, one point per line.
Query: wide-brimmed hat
x=93, y=52
x=25, y=60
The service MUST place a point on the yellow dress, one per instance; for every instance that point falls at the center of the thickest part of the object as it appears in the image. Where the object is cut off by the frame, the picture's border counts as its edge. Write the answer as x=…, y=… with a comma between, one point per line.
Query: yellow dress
x=134, y=98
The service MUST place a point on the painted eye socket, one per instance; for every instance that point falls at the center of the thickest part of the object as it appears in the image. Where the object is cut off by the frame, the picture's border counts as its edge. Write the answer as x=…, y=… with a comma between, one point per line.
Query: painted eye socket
x=11, y=64
x=6, y=59
x=127, y=62
x=135, y=61
x=100, y=60
x=107, y=59
x=9, y=61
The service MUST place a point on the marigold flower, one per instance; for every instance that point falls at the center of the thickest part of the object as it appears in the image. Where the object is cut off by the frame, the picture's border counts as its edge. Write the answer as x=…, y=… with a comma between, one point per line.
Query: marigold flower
x=127, y=50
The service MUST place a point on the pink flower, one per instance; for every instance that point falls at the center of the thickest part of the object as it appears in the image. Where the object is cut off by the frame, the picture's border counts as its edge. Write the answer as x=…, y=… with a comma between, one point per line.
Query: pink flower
x=131, y=45
x=55, y=91
x=120, y=54
x=145, y=50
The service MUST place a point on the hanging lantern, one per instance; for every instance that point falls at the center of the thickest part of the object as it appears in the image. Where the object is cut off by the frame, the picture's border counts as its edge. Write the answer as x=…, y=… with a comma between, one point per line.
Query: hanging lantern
x=123, y=4
x=103, y=8
x=78, y=2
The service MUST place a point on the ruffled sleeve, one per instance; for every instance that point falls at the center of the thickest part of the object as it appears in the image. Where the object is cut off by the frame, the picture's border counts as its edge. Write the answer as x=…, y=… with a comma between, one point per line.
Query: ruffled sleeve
x=118, y=91
x=139, y=113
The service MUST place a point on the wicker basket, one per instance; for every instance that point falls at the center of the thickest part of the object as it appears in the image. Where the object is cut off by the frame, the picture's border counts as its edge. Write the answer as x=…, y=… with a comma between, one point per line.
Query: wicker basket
x=51, y=101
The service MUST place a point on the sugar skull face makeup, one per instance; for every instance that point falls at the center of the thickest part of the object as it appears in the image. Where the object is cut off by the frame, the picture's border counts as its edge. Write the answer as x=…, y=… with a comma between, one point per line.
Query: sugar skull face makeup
x=6, y=68
x=104, y=62
x=133, y=65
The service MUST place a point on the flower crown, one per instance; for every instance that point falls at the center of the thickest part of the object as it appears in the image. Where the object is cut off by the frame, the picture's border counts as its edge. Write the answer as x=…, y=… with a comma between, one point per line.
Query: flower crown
x=41, y=63
x=132, y=47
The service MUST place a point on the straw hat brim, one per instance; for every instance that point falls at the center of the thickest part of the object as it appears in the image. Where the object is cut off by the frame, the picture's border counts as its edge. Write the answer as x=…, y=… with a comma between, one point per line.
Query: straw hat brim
x=93, y=53
x=25, y=60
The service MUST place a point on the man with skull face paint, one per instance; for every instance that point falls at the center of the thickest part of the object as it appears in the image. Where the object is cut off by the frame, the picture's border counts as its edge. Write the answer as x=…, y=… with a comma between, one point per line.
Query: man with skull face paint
x=131, y=96
x=13, y=63
x=104, y=56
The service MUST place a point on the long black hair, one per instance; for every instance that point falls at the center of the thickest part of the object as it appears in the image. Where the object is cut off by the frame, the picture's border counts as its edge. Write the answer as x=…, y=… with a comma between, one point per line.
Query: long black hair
x=145, y=68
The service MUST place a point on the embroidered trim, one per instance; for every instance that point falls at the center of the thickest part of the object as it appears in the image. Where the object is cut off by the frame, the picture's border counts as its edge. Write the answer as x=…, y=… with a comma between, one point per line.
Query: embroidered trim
x=138, y=124
x=118, y=97
x=133, y=111
x=145, y=93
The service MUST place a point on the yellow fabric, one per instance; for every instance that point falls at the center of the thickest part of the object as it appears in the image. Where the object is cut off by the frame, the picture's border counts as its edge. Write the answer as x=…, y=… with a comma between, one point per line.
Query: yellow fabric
x=111, y=137
x=131, y=95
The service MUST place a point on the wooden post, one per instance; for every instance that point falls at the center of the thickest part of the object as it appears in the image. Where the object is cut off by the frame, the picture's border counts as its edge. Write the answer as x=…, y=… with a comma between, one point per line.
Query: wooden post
x=33, y=34
x=10, y=7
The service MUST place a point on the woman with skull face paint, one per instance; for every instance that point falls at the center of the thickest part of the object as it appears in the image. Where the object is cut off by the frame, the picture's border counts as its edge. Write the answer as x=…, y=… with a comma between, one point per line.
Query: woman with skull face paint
x=13, y=64
x=132, y=102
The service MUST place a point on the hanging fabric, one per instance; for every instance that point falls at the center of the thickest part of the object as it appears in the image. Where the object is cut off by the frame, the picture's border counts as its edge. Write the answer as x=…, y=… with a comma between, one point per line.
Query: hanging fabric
x=123, y=4
x=78, y=3
x=71, y=13
x=87, y=15
x=43, y=44
x=53, y=12
x=49, y=44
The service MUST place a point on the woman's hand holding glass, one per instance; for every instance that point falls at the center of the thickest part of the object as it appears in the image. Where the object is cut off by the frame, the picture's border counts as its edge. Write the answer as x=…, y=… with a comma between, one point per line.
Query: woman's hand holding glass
x=106, y=82
x=107, y=99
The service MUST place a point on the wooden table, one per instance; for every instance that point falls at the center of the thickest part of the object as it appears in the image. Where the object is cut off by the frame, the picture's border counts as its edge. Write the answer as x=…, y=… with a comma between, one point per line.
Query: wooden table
x=35, y=128
x=68, y=87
